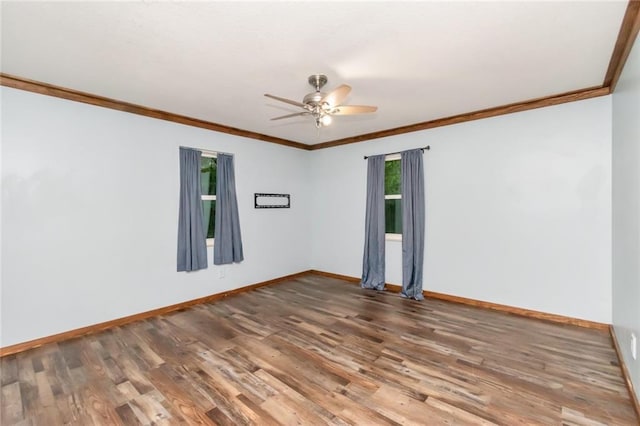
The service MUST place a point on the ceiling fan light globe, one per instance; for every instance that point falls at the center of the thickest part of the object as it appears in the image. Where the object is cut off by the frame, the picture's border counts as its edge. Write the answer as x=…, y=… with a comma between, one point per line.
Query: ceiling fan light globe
x=326, y=120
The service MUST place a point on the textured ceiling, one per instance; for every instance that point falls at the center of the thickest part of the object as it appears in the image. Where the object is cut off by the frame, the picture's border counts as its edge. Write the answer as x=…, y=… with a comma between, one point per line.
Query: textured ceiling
x=417, y=61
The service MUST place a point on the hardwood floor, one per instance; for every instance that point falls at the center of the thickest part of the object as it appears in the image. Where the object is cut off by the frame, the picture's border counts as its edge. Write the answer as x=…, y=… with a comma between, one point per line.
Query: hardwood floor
x=316, y=350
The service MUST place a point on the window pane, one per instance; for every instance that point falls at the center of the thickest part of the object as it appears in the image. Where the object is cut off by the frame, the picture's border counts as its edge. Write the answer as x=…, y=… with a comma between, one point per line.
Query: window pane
x=393, y=216
x=208, y=175
x=209, y=216
x=392, y=177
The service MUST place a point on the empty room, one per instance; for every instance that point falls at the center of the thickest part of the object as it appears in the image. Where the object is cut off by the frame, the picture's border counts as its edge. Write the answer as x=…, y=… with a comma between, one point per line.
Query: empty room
x=349, y=213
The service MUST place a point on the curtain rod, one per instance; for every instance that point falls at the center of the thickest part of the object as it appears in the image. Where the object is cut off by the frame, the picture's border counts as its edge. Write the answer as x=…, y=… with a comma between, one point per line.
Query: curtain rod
x=206, y=151
x=391, y=153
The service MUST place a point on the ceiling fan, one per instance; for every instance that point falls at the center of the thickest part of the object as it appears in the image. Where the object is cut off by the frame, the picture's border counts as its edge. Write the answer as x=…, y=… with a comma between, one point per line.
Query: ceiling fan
x=321, y=106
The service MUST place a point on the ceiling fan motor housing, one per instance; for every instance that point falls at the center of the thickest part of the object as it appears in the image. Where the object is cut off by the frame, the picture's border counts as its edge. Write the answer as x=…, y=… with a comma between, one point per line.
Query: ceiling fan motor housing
x=313, y=98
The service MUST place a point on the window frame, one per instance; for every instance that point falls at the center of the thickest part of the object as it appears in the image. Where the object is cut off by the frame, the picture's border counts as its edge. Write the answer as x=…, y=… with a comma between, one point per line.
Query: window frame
x=391, y=236
x=203, y=197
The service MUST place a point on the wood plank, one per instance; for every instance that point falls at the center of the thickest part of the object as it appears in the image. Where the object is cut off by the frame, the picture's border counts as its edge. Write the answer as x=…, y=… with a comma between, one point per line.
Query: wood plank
x=192, y=407
x=317, y=350
x=11, y=410
x=83, y=331
x=488, y=305
x=8, y=370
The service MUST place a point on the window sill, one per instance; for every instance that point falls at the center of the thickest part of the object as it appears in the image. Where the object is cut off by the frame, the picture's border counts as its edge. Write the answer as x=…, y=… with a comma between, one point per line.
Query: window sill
x=210, y=242
x=393, y=237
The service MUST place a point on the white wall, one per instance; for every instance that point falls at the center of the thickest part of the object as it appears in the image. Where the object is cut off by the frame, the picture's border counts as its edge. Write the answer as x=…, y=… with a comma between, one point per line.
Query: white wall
x=518, y=209
x=626, y=211
x=518, y=212
x=90, y=208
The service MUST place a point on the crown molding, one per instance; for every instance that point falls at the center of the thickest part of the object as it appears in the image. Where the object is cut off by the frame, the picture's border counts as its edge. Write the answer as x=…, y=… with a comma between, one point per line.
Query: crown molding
x=578, y=95
x=88, y=98
x=626, y=37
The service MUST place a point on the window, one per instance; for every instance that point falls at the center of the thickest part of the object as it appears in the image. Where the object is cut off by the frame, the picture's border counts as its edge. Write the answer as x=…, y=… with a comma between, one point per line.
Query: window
x=392, y=197
x=208, y=171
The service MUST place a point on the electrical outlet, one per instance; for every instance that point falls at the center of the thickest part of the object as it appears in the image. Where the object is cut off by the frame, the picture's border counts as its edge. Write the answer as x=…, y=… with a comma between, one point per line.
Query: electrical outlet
x=221, y=272
x=634, y=346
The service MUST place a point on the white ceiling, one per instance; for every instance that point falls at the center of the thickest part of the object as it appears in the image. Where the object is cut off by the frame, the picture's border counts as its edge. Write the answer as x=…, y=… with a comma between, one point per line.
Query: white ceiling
x=417, y=61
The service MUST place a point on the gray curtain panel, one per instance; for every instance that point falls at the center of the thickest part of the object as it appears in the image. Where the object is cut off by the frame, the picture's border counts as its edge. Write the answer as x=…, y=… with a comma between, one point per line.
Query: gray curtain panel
x=192, y=244
x=227, y=247
x=413, y=214
x=374, y=244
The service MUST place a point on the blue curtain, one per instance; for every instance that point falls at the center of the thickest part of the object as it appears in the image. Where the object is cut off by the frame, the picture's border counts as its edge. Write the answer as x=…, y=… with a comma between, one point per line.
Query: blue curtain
x=413, y=214
x=192, y=244
x=227, y=246
x=374, y=244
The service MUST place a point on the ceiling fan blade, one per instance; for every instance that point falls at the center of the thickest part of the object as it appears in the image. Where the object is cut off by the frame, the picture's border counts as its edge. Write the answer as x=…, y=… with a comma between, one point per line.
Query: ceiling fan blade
x=288, y=101
x=336, y=96
x=353, y=109
x=291, y=115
